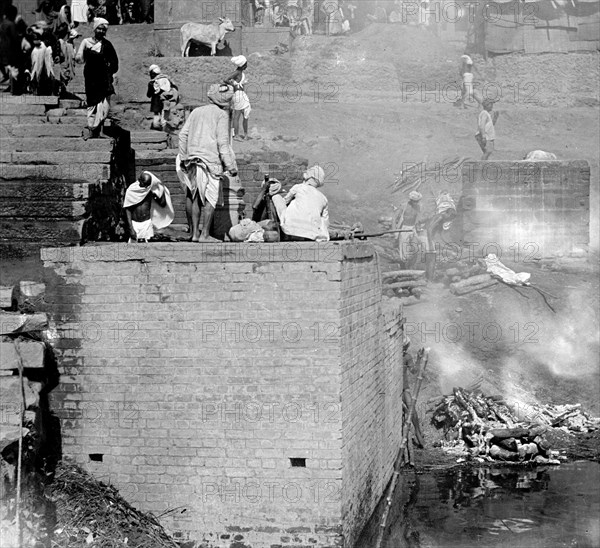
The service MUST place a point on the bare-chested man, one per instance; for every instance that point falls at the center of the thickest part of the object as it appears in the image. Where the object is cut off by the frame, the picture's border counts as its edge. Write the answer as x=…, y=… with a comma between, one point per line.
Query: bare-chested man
x=148, y=206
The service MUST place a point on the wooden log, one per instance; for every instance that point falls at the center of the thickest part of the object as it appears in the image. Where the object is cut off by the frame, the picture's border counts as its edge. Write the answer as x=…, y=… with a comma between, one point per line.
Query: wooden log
x=406, y=284
x=402, y=274
x=505, y=433
x=472, y=288
x=473, y=280
x=502, y=454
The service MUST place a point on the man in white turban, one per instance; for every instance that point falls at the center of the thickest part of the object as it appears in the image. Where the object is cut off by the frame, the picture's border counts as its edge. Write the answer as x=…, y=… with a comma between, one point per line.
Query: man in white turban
x=204, y=154
x=101, y=64
x=304, y=212
x=409, y=243
x=240, y=104
x=164, y=96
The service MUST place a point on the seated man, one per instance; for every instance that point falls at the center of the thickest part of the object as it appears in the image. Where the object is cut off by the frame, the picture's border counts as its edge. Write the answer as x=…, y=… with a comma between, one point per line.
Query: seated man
x=303, y=212
x=148, y=206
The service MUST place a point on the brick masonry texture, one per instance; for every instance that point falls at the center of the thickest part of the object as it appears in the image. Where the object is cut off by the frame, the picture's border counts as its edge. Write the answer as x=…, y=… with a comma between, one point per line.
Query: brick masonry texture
x=530, y=208
x=200, y=371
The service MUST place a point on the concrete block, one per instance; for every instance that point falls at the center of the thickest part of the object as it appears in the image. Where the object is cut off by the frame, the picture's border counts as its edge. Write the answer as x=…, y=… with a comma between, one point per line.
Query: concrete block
x=32, y=354
x=10, y=391
x=70, y=103
x=6, y=296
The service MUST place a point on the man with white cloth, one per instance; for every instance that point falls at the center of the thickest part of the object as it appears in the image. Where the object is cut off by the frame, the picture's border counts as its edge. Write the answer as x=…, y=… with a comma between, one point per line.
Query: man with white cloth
x=204, y=153
x=148, y=206
x=303, y=213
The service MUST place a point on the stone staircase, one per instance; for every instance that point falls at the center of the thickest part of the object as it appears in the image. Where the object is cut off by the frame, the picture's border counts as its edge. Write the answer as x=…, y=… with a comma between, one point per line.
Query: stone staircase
x=48, y=173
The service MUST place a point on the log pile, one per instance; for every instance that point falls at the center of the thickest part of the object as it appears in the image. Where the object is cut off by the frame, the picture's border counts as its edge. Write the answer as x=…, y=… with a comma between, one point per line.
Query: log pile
x=467, y=277
x=485, y=428
x=409, y=285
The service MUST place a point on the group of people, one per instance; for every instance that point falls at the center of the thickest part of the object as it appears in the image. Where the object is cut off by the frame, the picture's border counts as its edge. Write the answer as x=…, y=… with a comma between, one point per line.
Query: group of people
x=116, y=12
x=206, y=159
x=39, y=58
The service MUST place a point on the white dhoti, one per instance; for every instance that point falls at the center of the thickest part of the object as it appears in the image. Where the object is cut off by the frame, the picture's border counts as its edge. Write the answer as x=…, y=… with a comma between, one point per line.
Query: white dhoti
x=96, y=114
x=241, y=102
x=79, y=11
x=198, y=178
x=143, y=230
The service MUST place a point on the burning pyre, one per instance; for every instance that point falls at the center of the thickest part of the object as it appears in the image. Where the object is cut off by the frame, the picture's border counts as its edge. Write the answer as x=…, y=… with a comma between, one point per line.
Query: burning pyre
x=487, y=429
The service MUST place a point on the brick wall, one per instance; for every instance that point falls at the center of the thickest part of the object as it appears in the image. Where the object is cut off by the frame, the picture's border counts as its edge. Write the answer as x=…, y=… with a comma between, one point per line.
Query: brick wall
x=526, y=209
x=196, y=372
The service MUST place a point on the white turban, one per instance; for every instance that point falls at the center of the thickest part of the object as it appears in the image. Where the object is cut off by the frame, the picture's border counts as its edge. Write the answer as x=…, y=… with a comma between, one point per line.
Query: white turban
x=467, y=59
x=155, y=69
x=239, y=61
x=99, y=21
x=317, y=173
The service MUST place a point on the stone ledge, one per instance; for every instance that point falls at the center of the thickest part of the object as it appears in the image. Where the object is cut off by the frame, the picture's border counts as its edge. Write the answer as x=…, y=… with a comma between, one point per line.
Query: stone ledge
x=183, y=252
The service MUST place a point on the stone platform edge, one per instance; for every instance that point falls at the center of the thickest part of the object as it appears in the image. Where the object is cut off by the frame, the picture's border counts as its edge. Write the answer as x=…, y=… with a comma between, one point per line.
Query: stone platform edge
x=183, y=252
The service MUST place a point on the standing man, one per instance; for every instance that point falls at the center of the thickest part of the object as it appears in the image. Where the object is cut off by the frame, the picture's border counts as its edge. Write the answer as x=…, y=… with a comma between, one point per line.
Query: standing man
x=204, y=154
x=408, y=242
x=486, y=134
x=101, y=63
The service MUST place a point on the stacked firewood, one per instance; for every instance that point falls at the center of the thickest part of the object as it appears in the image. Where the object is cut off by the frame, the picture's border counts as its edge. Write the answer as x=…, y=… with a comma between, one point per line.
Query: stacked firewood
x=409, y=285
x=467, y=277
x=489, y=430
x=569, y=417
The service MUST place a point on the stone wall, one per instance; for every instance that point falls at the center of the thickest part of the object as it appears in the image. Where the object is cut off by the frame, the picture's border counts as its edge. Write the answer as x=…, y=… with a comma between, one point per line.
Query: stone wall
x=253, y=387
x=522, y=210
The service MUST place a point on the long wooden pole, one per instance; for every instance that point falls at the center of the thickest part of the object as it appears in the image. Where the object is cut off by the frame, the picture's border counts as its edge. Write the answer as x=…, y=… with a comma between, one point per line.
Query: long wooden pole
x=423, y=358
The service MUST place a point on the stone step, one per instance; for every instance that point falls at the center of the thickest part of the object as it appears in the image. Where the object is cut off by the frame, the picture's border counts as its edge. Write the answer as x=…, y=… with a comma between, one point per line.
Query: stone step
x=47, y=208
x=11, y=120
x=148, y=137
x=21, y=109
x=32, y=354
x=152, y=157
x=76, y=171
x=81, y=112
x=55, y=144
x=69, y=103
x=44, y=130
x=44, y=189
x=46, y=232
x=30, y=99
x=62, y=159
x=69, y=120
x=139, y=147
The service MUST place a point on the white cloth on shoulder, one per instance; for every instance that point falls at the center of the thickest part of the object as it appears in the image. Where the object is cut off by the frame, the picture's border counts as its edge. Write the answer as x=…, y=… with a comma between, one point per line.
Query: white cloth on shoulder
x=160, y=217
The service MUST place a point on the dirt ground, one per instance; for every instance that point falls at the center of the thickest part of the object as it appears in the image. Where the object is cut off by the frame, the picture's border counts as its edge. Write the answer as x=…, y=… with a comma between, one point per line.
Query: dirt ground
x=357, y=113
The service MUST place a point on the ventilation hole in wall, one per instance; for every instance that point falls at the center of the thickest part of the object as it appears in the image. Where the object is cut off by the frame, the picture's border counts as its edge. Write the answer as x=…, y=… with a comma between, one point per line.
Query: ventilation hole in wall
x=96, y=457
x=298, y=463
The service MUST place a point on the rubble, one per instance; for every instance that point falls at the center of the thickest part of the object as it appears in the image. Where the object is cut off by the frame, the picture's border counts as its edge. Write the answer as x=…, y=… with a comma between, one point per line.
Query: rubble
x=486, y=428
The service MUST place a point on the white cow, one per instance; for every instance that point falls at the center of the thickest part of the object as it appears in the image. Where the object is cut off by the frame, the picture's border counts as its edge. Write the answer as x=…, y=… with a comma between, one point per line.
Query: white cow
x=208, y=35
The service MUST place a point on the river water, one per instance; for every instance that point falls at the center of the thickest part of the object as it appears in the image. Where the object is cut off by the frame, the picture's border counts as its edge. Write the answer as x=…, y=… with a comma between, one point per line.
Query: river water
x=543, y=507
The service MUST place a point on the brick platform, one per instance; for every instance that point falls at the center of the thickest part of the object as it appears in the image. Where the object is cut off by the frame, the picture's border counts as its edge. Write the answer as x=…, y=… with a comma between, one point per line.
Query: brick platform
x=526, y=210
x=254, y=387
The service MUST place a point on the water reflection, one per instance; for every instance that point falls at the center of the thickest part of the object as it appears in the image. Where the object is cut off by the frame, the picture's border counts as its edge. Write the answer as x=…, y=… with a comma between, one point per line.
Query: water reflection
x=503, y=506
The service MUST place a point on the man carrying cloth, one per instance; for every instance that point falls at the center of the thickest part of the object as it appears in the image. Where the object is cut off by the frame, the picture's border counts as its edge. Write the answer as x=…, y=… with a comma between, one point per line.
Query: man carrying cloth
x=408, y=242
x=148, y=206
x=303, y=212
x=204, y=152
